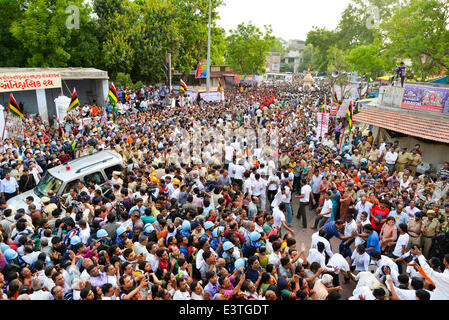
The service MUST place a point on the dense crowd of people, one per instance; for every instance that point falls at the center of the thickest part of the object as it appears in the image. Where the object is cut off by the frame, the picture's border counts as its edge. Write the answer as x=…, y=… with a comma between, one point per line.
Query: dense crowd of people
x=203, y=208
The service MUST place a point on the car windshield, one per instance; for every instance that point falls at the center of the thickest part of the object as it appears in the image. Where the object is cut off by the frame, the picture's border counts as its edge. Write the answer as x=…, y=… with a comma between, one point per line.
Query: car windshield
x=47, y=183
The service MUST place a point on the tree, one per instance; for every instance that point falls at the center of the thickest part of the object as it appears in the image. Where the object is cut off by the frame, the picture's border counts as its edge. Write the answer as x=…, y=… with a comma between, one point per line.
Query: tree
x=322, y=40
x=307, y=57
x=247, y=48
x=47, y=38
x=360, y=21
x=420, y=28
x=338, y=69
x=12, y=52
x=367, y=60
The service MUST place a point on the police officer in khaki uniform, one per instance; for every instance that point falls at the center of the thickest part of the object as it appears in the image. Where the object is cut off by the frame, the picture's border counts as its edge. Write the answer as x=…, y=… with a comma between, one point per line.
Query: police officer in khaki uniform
x=356, y=157
x=430, y=228
x=363, y=146
x=404, y=158
x=415, y=161
x=373, y=155
x=127, y=154
x=442, y=187
x=414, y=227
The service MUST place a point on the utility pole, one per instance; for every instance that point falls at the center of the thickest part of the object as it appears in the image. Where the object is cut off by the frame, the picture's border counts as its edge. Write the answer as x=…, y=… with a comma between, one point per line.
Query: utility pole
x=208, y=50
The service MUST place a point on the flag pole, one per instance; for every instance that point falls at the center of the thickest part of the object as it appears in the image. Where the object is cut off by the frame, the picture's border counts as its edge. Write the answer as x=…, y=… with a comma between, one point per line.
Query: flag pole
x=6, y=119
x=343, y=135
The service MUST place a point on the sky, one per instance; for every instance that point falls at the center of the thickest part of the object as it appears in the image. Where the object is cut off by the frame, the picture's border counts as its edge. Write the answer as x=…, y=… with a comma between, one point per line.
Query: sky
x=290, y=19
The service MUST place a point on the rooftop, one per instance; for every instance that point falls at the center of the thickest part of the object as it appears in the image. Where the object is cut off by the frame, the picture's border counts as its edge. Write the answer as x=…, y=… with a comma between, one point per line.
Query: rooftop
x=406, y=122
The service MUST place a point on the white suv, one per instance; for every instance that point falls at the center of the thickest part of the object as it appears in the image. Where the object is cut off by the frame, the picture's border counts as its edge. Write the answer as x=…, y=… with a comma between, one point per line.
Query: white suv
x=98, y=167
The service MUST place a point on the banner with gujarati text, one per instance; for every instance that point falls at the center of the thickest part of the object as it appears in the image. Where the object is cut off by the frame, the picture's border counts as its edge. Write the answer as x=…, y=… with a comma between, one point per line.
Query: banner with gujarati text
x=20, y=81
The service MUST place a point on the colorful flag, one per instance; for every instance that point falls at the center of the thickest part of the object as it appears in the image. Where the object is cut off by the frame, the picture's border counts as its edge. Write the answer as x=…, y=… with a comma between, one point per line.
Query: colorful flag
x=182, y=86
x=113, y=95
x=220, y=87
x=201, y=70
x=336, y=97
x=74, y=103
x=323, y=108
x=349, y=115
x=14, y=108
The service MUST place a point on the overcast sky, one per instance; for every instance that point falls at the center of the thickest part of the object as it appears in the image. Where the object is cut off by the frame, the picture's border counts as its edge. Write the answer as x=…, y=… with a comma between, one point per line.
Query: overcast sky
x=290, y=19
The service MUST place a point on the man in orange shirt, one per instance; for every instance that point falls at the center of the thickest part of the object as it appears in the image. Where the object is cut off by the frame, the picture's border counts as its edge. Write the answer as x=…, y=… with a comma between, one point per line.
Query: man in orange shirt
x=95, y=110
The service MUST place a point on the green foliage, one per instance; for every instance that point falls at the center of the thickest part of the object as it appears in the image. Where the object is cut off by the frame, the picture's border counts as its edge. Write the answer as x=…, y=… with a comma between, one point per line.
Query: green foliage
x=321, y=39
x=123, y=80
x=307, y=57
x=367, y=60
x=12, y=52
x=420, y=28
x=247, y=47
x=338, y=68
x=279, y=45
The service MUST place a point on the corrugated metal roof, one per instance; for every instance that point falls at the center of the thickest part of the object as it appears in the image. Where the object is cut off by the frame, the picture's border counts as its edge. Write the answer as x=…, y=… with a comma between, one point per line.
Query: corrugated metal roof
x=413, y=125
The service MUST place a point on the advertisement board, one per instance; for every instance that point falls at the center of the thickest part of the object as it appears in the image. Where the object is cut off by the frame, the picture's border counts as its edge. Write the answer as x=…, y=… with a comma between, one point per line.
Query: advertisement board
x=426, y=99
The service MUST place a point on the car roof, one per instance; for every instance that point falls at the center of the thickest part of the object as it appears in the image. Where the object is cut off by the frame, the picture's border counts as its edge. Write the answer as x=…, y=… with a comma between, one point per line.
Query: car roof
x=86, y=164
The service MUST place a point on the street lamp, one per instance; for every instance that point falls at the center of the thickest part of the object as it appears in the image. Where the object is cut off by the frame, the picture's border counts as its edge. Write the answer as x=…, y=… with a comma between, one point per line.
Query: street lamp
x=208, y=50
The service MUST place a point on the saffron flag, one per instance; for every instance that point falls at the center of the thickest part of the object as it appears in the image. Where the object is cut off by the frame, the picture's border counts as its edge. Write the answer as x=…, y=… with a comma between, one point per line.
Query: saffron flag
x=220, y=87
x=349, y=115
x=14, y=108
x=323, y=108
x=113, y=95
x=182, y=86
x=74, y=103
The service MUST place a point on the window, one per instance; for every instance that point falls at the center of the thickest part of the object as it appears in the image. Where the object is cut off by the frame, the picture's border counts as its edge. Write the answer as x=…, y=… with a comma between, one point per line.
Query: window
x=70, y=185
x=48, y=182
x=97, y=177
x=109, y=170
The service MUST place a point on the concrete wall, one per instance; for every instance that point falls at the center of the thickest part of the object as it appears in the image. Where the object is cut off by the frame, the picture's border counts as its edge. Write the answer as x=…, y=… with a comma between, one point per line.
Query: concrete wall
x=390, y=96
x=433, y=153
x=28, y=98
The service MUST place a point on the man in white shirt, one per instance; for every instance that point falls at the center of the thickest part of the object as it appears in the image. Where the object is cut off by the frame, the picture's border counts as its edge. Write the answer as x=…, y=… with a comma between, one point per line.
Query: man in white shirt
x=325, y=211
x=9, y=187
x=411, y=209
x=319, y=236
x=401, y=245
x=38, y=293
x=317, y=255
x=238, y=177
x=363, y=206
x=336, y=264
x=380, y=261
x=273, y=186
x=304, y=200
x=182, y=293
x=441, y=280
x=315, y=182
x=390, y=158
x=275, y=256
x=360, y=259
x=248, y=187
x=229, y=153
x=279, y=218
